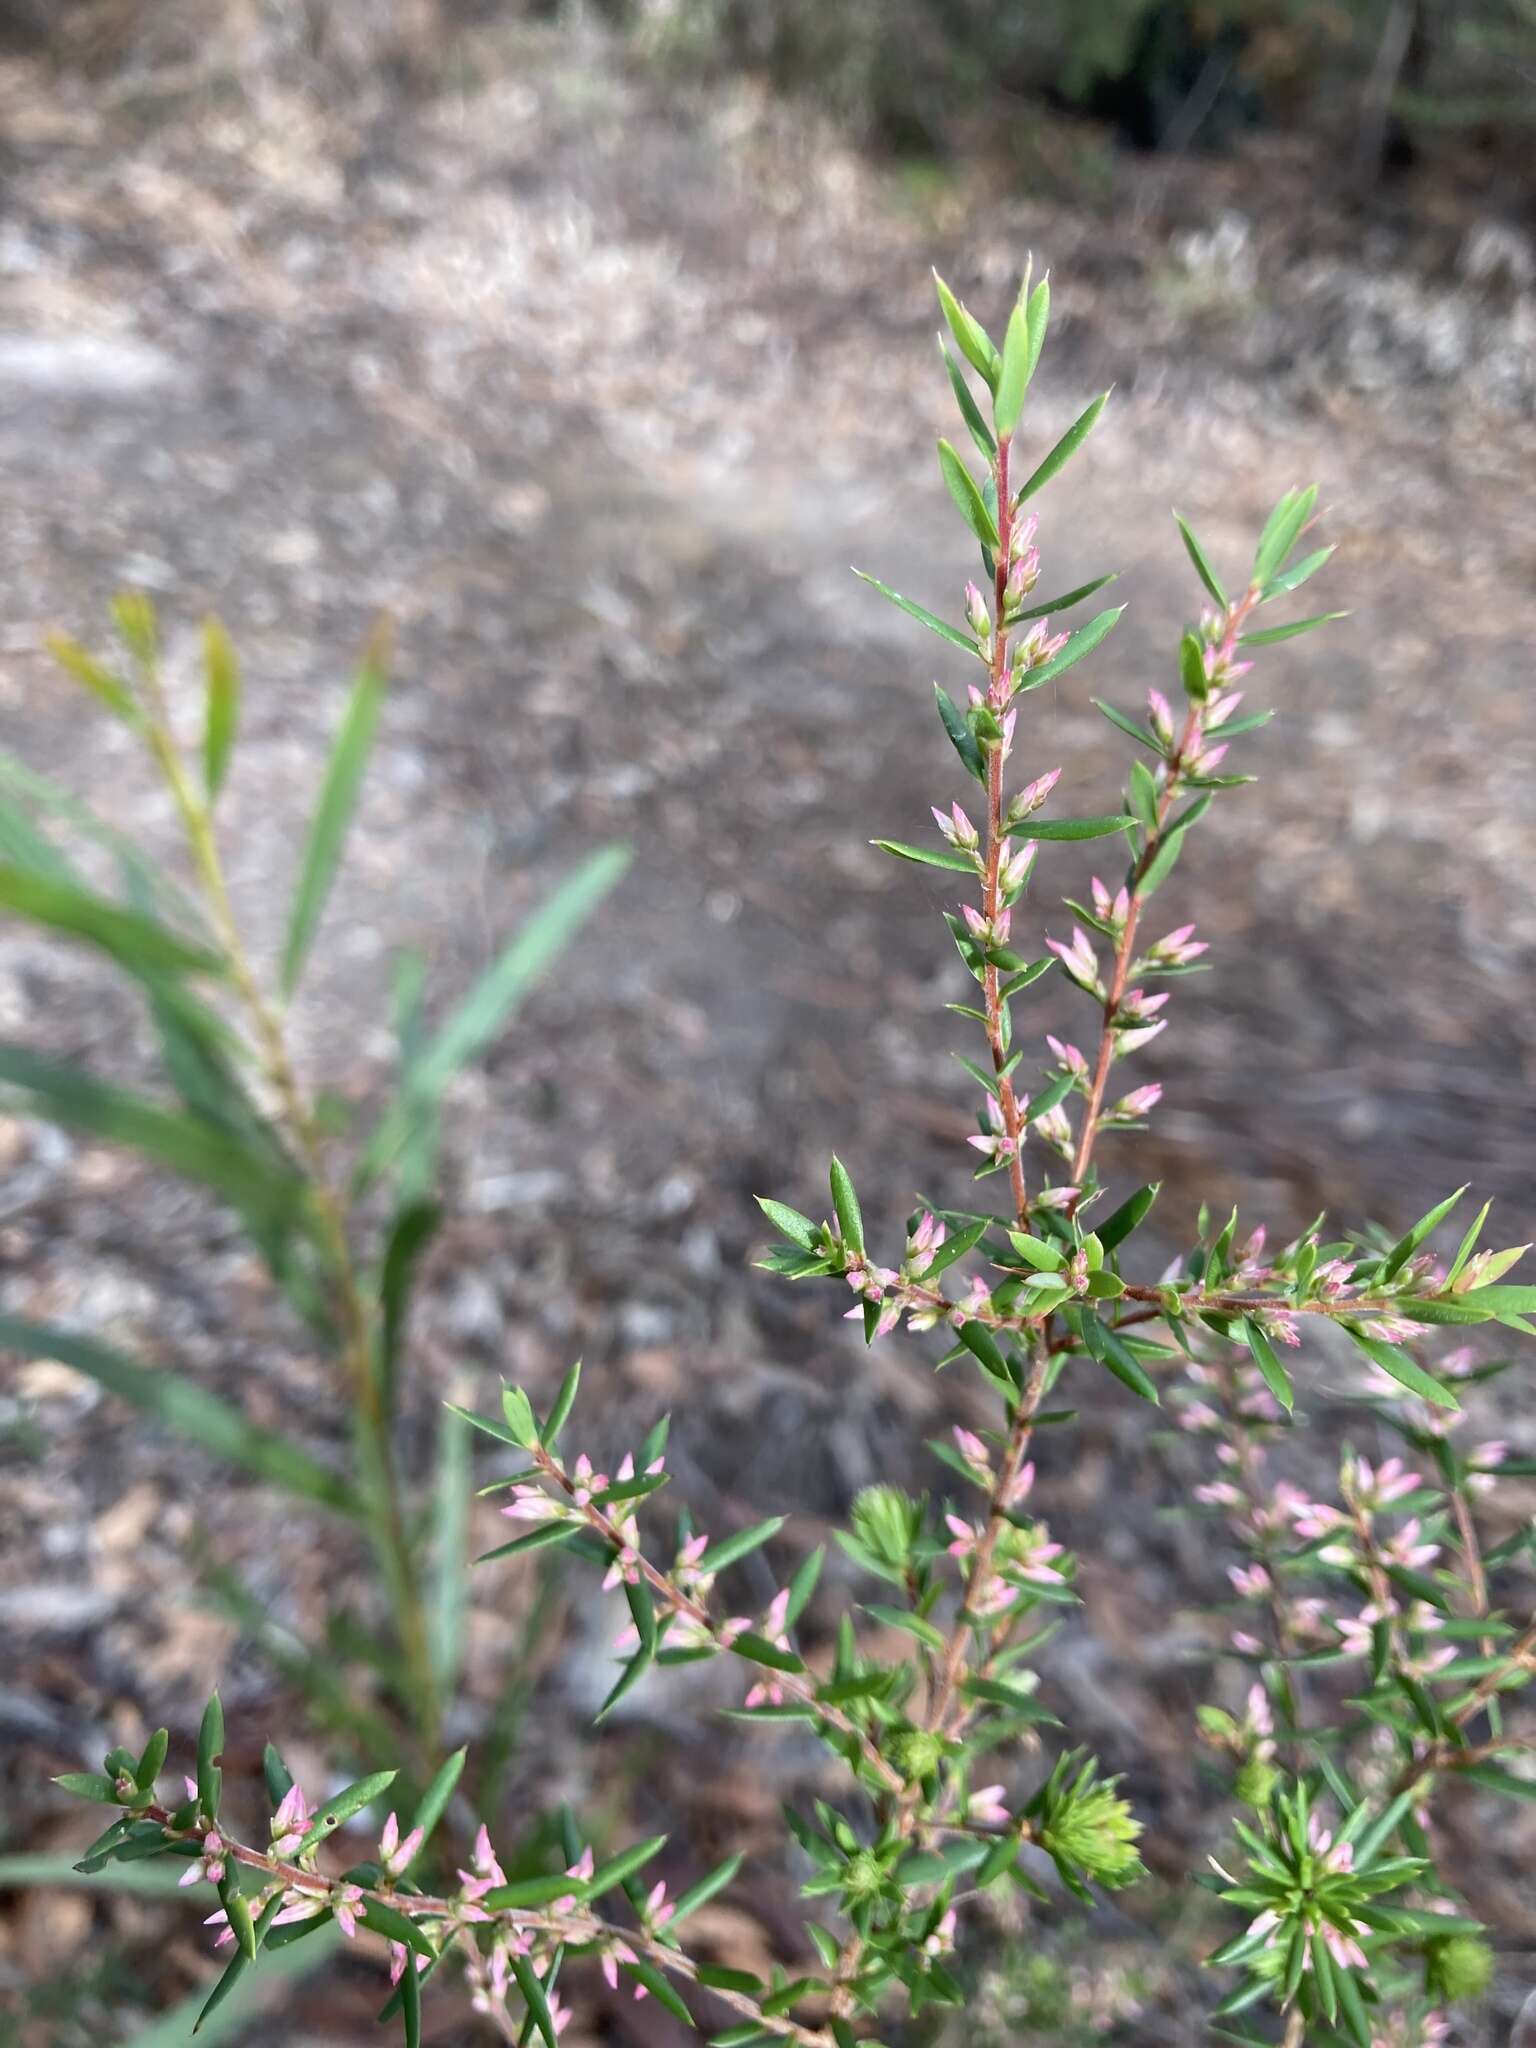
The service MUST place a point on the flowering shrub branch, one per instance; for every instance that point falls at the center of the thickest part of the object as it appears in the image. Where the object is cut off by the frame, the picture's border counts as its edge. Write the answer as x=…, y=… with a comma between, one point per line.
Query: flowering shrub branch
x=1348, y=1930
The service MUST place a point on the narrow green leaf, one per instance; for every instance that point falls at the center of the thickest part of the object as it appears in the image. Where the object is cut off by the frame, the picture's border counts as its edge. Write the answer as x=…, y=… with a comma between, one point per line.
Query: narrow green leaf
x=1113, y=1351
x=1409, y=1243
x=93, y=1785
x=140, y=944
x=152, y=1760
x=962, y=739
x=412, y=1231
x=945, y=631
x=608, y=1876
x=846, y=1203
x=657, y=1985
x=742, y=1544
x=1064, y=603
x=107, y=688
x=1269, y=635
x=1082, y=642
x=1396, y=1363
x=560, y=1411
x=1021, y=352
x=210, y=1747
x=1271, y=1371
x=928, y=857
x=971, y=337
x=1065, y=448
x=449, y=1549
x=186, y=1144
x=333, y=813
x=222, y=710
x=963, y=489
x=1118, y=1226
x=789, y=1222
x=1281, y=531
x=1293, y=578
x=701, y=1893
x=397, y=1926
x=434, y=1801
x=410, y=2005
x=970, y=411
x=983, y=1347
x=185, y=1408
x=485, y=1011
x=353, y=1800
x=1203, y=568
x=1071, y=828
x=533, y=1997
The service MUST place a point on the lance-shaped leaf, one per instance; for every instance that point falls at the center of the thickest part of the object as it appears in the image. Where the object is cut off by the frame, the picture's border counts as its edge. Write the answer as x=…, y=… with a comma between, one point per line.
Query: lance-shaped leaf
x=945, y=631
x=210, y=1746
x=104, y=686
x=1269, y=635
x=140, y=944
x=962, y=739
x=1281, y=531
x=221, y=713
x=1203, y=568
x=187, y=1409
x=1070, y=828
x=535, y=1999
x=846, y=1203
x=970, y=411
x=963, y=488
x=927, y=857
x=733, y=1548
x=1271, y=1371
x=1397, y=1365
x=971, y=337
x=353, y=1800
x=333, y=813
x=1426, y=1226
x=1021, y=353
x=1065, y=602
x=1082, y=642
x=1065, y=448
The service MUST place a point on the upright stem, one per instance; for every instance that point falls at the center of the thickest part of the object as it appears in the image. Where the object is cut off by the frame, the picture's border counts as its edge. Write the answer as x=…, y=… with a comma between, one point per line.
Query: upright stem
x=370, y=1414
x=1125, y=948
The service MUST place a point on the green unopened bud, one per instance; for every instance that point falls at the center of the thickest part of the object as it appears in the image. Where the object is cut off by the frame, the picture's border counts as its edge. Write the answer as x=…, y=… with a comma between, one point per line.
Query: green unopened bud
x=1459, y=1967
x=1255, y=1782
x=864, y=1877
x=885, y=1520
x=1097, y=1832
x=917, y=1753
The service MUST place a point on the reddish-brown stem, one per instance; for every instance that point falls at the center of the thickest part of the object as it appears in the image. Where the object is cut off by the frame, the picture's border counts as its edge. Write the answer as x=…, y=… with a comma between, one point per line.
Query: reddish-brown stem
x=1125, y=947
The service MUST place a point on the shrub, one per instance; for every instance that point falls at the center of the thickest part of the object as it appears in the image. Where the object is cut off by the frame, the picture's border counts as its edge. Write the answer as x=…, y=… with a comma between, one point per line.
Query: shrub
x=1382, y=1659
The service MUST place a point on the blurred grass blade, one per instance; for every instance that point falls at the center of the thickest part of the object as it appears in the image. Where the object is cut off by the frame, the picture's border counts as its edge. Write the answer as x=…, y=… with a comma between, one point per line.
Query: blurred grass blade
x=137, y=943
x=188, y=1410
x=59, y=1873
x=485, y=1010
x=450, y=1548
x=414, y=1229
x=222, y=713
x=103, y=685
x=184, y=1143
x=333, y=813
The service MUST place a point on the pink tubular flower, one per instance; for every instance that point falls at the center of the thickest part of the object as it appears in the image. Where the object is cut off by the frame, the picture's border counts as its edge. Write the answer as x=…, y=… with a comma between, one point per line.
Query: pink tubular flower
x=346, y=1902
x=769, y=1690
x=1177, y=948
x=1056, y=1198
x=209, y=1864
x=1251, y=1580
x=1111, y=910
x=957, y=829
x=1014, y=872
x=986, y=1808
x=487, y=1872
x=397, y=1853
x=290, y=1822
x=1033, y=795
x=1079, y=960
x=1071, y=1057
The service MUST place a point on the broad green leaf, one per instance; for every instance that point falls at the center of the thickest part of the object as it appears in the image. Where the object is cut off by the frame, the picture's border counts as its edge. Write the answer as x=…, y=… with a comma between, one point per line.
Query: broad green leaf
x=333, y=813
x=140, y=944
x=1203, y=568
x=185, y=1408
x=1065, y=448
x=221, y=716
x=1113, y=1351
x=984, y=1348
x=970, y=336
x=945, y=631
x=970, y=411
x=967, y=496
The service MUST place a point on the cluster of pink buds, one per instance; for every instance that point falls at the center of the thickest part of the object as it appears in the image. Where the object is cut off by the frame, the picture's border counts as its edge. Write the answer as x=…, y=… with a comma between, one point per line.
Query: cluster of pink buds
x=1080, y=961
x=1111, y=910
x=1023, y=562
x=1177, y=949
x=1035, y=648
x=768, y=1691
x=957, y=829
x=1014, y=869
x=1030, y=798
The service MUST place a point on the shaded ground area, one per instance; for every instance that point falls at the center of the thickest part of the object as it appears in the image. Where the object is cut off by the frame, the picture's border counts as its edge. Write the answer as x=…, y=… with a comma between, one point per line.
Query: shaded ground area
x=600, y=391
